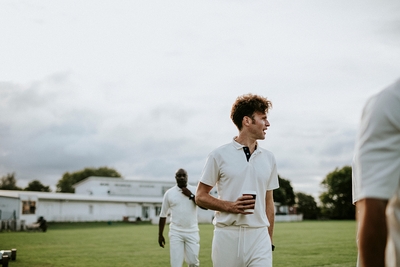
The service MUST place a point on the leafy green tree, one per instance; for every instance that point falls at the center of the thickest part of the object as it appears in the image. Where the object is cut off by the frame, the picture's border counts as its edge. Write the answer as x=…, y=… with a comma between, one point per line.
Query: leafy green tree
x=307, y=206
x=65, y=184
x=284, y=194
x=8, y=182
x=337, y=198
x=36, y=185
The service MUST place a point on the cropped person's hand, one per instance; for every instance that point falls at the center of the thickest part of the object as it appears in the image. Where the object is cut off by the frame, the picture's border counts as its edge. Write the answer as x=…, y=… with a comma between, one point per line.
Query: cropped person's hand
x=161, y=241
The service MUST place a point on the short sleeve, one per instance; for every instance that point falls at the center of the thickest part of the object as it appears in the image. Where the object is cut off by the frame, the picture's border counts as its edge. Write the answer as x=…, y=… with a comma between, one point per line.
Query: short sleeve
x=273, y=180
x=165, y=206
x=210, y=171
x=377, y=155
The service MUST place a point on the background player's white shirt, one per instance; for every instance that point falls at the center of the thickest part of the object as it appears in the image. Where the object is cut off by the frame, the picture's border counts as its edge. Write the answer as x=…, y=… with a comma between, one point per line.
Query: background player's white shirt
x=183, y=210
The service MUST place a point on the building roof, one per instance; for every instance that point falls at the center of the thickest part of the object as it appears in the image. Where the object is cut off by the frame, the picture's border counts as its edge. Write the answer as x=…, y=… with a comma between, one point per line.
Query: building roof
x=120, y=179
x=78, y=197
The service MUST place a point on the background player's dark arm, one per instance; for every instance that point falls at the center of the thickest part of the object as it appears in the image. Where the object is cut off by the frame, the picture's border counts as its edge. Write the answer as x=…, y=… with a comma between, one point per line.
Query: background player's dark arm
x=161, y=225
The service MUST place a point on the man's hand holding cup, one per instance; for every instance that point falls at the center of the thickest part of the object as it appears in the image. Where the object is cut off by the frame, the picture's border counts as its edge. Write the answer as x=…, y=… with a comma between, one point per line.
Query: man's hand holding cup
x=254, y=195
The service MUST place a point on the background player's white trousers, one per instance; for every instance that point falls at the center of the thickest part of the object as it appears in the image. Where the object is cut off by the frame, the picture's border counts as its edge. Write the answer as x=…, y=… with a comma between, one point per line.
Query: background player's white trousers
x=184, y=246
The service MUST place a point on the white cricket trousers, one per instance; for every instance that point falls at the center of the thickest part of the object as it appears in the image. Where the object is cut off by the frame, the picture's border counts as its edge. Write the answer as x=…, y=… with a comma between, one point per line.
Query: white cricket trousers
x=236, y=246
x=184, y=246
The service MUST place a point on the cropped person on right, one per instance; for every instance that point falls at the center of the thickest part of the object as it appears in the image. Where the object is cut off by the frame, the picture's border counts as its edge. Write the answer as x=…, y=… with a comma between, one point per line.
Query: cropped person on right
x=376, y=180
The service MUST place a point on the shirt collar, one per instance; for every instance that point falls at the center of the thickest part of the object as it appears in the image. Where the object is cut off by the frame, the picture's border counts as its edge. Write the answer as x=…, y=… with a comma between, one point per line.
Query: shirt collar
x=178, y=188
x=236, y=144
x=240, y=146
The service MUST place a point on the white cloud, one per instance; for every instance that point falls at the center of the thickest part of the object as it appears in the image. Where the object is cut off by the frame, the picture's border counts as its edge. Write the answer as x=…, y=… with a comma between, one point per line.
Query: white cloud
x=147, y=87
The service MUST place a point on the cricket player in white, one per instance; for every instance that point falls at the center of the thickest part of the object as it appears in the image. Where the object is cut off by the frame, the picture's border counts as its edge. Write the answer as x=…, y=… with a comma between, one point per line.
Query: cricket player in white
x=183, y=230
x=242, y=238
x=376, y=180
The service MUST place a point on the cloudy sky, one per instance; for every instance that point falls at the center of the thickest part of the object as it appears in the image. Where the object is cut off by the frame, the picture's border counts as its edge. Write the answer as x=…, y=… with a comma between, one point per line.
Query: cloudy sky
x=146, y=87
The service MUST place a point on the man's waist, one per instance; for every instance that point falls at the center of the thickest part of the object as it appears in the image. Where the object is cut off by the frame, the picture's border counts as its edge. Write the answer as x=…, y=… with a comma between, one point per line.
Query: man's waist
x=236, y=227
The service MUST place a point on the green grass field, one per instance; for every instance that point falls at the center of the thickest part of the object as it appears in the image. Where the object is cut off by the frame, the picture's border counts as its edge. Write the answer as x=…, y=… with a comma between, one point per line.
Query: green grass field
x=309, y=243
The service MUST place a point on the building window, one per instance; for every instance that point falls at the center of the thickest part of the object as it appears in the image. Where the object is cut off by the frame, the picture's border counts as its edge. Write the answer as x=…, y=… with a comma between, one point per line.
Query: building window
x=90, y=209
x=28, y=207
x=145, y=212
x=123, y=185
x=146, y=185
x=158, y=210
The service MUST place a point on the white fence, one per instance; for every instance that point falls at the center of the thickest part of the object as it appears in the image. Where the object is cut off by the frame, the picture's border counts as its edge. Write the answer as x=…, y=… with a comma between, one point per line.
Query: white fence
x=12, y=225
x=289, y=218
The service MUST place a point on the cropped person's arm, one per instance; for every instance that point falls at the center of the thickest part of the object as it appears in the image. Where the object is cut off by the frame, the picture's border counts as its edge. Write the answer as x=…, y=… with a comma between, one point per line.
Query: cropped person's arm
x=372, y=232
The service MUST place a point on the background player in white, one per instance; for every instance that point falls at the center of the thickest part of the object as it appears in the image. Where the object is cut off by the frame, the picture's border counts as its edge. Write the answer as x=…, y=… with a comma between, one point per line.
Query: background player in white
x=376, y=180
x=242, y=238
x=183, y=230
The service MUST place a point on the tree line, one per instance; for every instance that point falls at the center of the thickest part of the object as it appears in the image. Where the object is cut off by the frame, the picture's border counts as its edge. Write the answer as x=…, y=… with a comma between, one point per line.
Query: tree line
x=64, y=185
x=335, y=202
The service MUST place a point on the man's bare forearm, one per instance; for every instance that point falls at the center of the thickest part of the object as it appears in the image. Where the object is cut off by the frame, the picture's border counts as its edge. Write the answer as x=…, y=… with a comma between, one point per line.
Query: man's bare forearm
x=212, y=203
x=270, y=211
x=161, y=225
x=372, y=232
x=205, y=200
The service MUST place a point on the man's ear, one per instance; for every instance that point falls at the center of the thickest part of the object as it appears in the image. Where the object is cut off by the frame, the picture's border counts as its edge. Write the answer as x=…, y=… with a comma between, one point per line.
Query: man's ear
x=246, y=121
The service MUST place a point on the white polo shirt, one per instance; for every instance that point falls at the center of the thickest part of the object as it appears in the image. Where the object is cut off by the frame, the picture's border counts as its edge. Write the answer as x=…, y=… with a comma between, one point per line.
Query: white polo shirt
x=228, y=169
x=183, y=210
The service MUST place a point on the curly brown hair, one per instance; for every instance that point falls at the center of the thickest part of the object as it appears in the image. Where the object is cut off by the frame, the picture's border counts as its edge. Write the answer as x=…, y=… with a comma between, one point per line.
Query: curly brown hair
x=246, y=105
